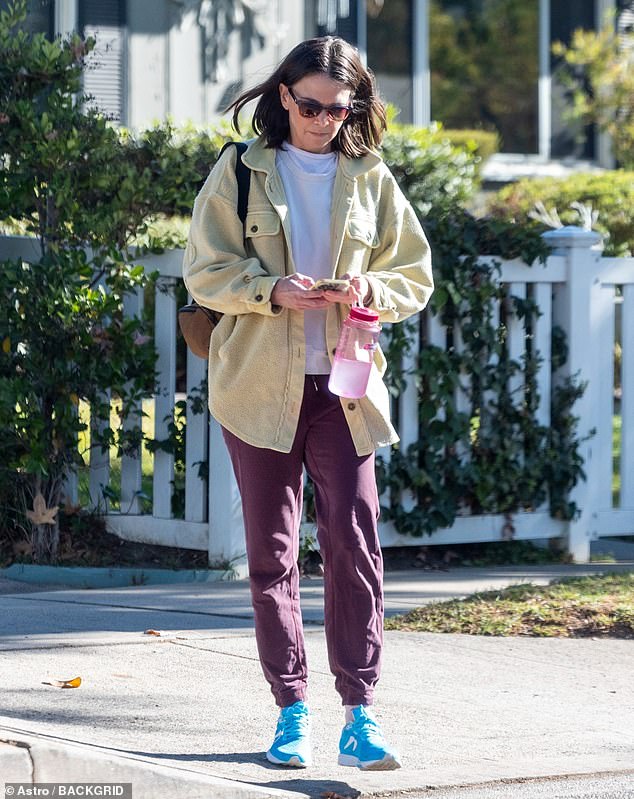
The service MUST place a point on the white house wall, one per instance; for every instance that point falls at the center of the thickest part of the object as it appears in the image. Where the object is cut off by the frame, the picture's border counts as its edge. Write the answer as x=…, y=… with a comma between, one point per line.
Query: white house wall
x=148, y=64
x=185, y=88
x=165, y=58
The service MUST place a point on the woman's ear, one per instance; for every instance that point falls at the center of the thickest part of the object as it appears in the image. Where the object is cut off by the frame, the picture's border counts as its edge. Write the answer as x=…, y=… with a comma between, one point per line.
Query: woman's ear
x=283, y=96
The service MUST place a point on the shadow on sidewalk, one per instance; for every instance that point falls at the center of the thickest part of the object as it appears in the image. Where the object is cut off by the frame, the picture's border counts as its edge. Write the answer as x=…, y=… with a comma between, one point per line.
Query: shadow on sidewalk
x=315, y=788
x=307, y=786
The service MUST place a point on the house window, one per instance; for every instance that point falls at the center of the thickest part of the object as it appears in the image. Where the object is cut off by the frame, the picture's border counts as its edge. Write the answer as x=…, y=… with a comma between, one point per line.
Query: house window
x=332, y=17
x=568, y=138
x=484, y=68
x=489, y=62
x=40, y=16
x=392, y=65
x=104, y=78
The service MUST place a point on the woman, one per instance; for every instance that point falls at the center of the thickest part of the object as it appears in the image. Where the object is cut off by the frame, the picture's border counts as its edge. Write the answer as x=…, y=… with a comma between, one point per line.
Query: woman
x=321, y=205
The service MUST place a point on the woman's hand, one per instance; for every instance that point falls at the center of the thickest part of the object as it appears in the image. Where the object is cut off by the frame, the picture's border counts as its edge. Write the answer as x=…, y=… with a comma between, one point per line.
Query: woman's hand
x=359, y=293
x=295, y=292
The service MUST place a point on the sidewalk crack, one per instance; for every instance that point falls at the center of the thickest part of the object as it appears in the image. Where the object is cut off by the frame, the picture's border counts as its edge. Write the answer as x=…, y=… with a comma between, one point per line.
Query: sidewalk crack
x=214, y=651
x=27, y=747
x=250, y=658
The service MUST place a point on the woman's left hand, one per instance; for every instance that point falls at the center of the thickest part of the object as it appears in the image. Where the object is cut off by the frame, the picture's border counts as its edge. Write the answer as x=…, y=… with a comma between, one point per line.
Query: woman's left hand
x=359, y=292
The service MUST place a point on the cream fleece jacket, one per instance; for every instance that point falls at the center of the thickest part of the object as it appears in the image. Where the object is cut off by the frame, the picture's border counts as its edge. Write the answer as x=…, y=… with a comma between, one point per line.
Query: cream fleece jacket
x=257, y=351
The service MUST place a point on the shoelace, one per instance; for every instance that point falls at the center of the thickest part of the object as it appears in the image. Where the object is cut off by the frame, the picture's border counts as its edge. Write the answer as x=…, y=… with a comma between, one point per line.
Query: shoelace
x=295, y=724
x=371, y=731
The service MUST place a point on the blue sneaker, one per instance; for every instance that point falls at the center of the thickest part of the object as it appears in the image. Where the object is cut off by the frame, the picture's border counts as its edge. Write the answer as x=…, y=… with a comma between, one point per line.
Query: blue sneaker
x=291, y=746
x=362, y=744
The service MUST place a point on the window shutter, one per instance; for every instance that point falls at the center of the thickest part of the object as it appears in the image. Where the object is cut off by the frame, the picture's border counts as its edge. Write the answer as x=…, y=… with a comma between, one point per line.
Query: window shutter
x=625, y=19
x=104, y=78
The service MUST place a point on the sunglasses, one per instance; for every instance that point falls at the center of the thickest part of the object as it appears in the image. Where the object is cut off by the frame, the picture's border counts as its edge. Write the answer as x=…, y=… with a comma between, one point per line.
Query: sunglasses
x=310, y=109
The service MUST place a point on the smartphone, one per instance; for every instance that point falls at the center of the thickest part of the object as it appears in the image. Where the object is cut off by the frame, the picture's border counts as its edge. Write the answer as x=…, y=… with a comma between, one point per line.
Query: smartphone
x=332, y=285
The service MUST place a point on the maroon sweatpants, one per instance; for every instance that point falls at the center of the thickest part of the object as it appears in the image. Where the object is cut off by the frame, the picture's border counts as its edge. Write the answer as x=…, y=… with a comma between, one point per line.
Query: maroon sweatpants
x=347, y=507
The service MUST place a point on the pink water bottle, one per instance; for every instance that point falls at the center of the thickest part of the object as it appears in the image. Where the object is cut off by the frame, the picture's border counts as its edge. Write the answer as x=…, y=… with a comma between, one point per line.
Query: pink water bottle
x=351, y=367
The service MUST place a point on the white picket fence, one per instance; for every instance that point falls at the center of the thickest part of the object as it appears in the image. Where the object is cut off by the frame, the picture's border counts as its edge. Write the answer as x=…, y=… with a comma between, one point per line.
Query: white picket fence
x=576, y=288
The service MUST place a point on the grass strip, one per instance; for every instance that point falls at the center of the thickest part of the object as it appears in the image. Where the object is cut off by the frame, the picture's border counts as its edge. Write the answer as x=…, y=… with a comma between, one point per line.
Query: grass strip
x=601, y=606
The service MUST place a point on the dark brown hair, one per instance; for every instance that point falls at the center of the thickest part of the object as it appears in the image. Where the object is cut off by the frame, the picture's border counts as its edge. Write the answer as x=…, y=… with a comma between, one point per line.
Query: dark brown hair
x=361, y=132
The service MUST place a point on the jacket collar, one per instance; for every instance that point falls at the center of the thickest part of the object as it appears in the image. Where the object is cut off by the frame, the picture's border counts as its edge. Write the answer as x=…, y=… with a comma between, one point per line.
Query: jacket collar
x=262, y=158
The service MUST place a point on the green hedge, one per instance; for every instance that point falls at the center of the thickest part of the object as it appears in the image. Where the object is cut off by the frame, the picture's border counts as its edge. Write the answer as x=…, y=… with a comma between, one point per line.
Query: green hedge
x=482, y=143
x=437, y=169
x=434, y=167
x=609, y=193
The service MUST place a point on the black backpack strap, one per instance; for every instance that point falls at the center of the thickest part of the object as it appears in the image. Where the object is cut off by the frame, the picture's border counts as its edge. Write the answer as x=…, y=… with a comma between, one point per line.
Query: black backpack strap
x=243, y=175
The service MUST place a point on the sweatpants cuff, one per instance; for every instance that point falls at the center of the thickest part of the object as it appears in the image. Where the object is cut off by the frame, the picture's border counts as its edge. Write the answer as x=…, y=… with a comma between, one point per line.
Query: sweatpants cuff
x=358, y=699
x=290, y=696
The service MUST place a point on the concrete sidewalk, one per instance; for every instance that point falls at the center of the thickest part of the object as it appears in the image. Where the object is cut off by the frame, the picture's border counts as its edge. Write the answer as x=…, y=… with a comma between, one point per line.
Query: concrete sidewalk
x=188, y=713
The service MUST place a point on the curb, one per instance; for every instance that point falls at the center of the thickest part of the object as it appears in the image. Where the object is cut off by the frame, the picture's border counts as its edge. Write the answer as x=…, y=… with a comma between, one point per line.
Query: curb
x=33, y=759
x=110, y=577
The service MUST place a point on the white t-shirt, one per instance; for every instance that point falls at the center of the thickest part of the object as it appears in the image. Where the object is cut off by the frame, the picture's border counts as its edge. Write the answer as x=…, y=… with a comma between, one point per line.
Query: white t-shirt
x=308, y=180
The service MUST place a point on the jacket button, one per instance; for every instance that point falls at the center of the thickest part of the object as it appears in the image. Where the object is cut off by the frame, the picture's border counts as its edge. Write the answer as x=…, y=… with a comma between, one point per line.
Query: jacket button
x=254, y=228
x=258, y=298
x=351, y=406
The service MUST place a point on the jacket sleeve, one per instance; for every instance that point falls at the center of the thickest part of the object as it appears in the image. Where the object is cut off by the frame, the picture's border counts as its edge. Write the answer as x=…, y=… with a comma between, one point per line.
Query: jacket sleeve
x=399, y=271
x=216, y=269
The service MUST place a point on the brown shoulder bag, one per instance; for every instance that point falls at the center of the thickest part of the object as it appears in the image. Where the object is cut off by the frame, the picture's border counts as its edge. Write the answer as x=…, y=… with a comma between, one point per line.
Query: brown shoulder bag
x=196, y=322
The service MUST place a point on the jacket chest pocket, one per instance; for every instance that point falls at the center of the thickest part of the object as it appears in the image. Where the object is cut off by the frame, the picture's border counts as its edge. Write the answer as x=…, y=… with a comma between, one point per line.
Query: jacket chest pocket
x=363, y=229
x=261, y=223
x=359, y=245
x=264, y=240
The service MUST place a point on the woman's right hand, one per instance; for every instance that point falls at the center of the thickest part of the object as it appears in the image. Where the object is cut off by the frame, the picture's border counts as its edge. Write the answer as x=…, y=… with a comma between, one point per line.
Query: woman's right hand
x=295, y=292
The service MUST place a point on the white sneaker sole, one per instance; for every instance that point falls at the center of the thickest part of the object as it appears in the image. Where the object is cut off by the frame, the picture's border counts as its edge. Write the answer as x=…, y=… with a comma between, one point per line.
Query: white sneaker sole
x=387, y=763
x=294, y=762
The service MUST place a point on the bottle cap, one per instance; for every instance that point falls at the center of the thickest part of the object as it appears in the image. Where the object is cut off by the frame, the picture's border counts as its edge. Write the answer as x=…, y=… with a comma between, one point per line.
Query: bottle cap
x=363, y=314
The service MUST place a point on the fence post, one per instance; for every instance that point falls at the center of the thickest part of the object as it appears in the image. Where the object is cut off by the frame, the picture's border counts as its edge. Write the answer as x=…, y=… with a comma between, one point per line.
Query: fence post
x=573, y=311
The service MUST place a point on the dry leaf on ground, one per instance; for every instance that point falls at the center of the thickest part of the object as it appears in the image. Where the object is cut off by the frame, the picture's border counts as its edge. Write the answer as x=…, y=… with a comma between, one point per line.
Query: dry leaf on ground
x=74, y=683
x=40, y=513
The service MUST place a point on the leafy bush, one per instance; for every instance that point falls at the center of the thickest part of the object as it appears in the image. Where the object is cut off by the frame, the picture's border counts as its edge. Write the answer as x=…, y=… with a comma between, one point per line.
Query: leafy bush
x=609, y=193
x=176, y=160
x=432, y=172
x=69, y=180
x=598, y=69
x=482, y=143
x=435, y=167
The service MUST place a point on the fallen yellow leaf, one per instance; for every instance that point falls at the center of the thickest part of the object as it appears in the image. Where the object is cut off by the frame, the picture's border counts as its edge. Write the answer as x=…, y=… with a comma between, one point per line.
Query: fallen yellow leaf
x=74, y=683
x=40, y=513
x=6, y=345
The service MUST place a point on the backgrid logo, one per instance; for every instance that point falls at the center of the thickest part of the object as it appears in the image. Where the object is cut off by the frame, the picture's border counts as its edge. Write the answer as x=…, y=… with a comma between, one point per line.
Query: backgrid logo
x=120, y=790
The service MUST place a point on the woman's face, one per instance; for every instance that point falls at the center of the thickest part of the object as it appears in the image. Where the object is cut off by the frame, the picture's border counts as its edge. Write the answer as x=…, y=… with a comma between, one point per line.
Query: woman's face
x=314, y=134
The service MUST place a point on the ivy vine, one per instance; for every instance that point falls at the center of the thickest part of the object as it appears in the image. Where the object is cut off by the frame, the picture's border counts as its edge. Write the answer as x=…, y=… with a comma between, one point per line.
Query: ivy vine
x=488, y=453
